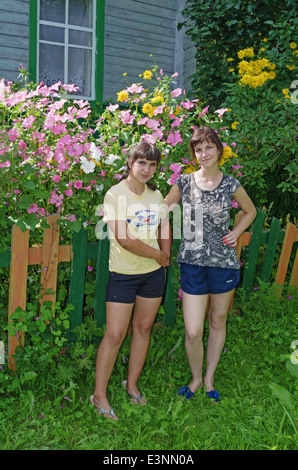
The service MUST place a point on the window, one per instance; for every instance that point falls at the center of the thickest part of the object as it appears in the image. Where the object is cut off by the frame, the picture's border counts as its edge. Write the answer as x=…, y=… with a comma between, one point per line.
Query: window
x=66, y=44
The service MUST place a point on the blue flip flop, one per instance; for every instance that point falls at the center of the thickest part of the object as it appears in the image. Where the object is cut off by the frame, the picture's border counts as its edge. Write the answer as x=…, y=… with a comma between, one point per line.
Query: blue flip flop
x=185, y=392
x=213, y=394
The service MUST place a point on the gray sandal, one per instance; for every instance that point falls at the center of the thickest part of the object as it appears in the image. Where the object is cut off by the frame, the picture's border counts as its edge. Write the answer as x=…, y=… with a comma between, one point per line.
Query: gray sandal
x=101, y=410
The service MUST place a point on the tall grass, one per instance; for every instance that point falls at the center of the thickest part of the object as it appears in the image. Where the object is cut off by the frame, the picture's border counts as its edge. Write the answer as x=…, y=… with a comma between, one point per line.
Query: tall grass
x=47, y=407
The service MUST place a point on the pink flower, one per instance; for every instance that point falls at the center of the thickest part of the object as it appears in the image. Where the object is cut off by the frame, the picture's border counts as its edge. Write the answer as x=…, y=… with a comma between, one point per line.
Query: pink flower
x=175, y=75
x=235, y=204
x=221, y=111
x=153, y=124
x=90, y=268
x=177, y=122
x=55, y=199
x=142, y=121
x=187, y=104
x=174, y=138
x=112, y=107
x=28, y=121
x=68, y=192
x=135, y=88
x=13, y=134
x=126, y=117
x=56, y=178
x=32, y=209
x=78, y=184
x=176, y=168
x=204, y=111
x=149, y=138
x=177, y=92
x=59, y=128
x=159, y=109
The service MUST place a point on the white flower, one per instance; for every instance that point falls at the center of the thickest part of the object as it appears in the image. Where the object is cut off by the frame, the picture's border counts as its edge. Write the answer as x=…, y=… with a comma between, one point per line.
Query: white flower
x=99, y=187
x=96, y=153
x=111, y=158
x=87, y=167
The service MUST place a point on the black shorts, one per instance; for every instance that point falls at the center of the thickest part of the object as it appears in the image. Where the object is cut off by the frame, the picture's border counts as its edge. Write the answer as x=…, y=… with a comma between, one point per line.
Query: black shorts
x=124, y=288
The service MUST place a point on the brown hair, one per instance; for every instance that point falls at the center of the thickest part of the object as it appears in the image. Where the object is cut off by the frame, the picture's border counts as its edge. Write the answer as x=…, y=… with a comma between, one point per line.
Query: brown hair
x=147, y=151
x=205, y=133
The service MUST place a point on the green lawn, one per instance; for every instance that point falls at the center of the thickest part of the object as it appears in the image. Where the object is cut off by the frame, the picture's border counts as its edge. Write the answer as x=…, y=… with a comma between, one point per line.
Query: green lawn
x=47, y=406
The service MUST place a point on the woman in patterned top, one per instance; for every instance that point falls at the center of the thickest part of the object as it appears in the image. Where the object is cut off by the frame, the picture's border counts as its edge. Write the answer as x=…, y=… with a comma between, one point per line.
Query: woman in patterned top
x=207, y=255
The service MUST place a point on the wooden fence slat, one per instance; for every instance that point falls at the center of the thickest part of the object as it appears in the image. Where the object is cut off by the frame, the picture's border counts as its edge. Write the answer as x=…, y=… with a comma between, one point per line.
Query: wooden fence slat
x=49, y=259
x=287, y=245
x=172, y=287
x=270, y=249
x=77, y=277
x=294, y=276
x=17, y=283
x=253, y=251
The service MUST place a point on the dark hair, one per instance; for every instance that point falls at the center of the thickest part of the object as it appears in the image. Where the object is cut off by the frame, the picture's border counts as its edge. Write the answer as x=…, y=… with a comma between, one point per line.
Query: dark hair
x=205, y=133
x=147, y=151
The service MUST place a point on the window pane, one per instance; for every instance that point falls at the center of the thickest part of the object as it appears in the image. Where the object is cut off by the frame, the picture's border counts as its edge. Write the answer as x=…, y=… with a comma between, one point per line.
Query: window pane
x=52, y=10
x=80, y=38
x=80, y=13
x=51, y=33
x=51, y=64
x=80, y=70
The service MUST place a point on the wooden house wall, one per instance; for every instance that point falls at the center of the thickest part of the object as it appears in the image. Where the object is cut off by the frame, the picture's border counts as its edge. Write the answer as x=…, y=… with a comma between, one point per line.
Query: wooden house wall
x=134, y=29
x=14, y=37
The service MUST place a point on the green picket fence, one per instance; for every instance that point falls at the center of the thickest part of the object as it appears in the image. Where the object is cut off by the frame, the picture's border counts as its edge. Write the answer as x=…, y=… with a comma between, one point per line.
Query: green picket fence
x=51, y=253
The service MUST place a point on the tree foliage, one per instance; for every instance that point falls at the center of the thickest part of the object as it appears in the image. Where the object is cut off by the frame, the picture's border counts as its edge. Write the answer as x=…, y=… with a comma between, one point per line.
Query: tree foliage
x=220, y=28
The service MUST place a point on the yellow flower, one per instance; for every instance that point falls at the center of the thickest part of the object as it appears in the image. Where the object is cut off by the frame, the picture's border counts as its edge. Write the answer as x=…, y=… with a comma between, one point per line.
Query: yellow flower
x=234, y=125
x=124, y=74
x=291, y=67
x=246, y=53
x=295, y=52
x=157, y=100
x=190, y=169
x=286, y=93
x=262, y=49
x=231, y=70
x=230, y=59
x=293, y=45
x=122, y=95
x=147, y=75
x=148, y=109
x=265, y=39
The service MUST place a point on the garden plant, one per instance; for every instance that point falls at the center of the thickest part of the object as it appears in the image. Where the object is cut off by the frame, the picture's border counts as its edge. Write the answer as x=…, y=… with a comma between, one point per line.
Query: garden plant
x=58, y=156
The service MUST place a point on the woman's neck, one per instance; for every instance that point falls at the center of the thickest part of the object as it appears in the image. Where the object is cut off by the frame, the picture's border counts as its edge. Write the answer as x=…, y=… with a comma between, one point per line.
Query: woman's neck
x=135, y=186
x=209, y=174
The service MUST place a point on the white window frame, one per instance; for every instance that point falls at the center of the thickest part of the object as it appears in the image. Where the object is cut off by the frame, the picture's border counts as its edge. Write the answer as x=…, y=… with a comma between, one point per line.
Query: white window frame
x=66, y=44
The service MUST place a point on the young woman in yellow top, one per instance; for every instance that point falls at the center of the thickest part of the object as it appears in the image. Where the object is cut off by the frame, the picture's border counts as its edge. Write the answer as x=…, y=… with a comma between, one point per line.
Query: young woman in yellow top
x=140, y=241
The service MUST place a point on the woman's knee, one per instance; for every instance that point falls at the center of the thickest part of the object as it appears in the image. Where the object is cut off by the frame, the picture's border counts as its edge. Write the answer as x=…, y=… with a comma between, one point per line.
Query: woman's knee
x=114, y=336
x=193, y=335
x=217, y=321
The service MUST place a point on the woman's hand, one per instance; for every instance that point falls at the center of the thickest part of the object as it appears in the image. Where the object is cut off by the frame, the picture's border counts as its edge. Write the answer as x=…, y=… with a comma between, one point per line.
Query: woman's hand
x=162, y=258
x=231, y=238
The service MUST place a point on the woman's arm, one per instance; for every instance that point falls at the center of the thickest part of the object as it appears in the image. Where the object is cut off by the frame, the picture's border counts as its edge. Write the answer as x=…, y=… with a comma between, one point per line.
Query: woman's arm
x=173, y=198
x=250, y=212
x=135, y=246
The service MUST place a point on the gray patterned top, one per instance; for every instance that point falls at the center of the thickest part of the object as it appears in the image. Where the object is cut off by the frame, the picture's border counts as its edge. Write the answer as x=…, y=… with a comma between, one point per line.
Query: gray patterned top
x=206, y=219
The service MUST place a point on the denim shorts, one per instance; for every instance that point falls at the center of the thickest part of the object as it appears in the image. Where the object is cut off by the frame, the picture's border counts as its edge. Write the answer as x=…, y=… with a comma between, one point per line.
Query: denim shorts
x=201, y=280
x=124, y=288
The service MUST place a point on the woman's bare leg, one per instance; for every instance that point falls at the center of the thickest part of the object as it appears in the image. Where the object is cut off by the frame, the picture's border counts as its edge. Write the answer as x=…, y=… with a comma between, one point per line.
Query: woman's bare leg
x=118, y=316
x=143, y=318
x=194, y=310
x=219, y=305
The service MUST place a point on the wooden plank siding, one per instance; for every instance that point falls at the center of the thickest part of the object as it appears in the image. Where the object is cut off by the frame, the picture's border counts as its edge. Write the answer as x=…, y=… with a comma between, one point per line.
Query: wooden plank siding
x=133, y=30
x=14, y=37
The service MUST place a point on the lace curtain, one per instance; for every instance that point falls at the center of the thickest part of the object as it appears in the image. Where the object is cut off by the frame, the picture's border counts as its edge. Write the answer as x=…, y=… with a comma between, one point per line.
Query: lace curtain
x=65, y=43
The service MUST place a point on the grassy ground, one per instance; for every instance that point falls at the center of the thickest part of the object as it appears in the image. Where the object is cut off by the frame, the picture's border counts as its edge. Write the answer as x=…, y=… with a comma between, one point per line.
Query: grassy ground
x=47, y=407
